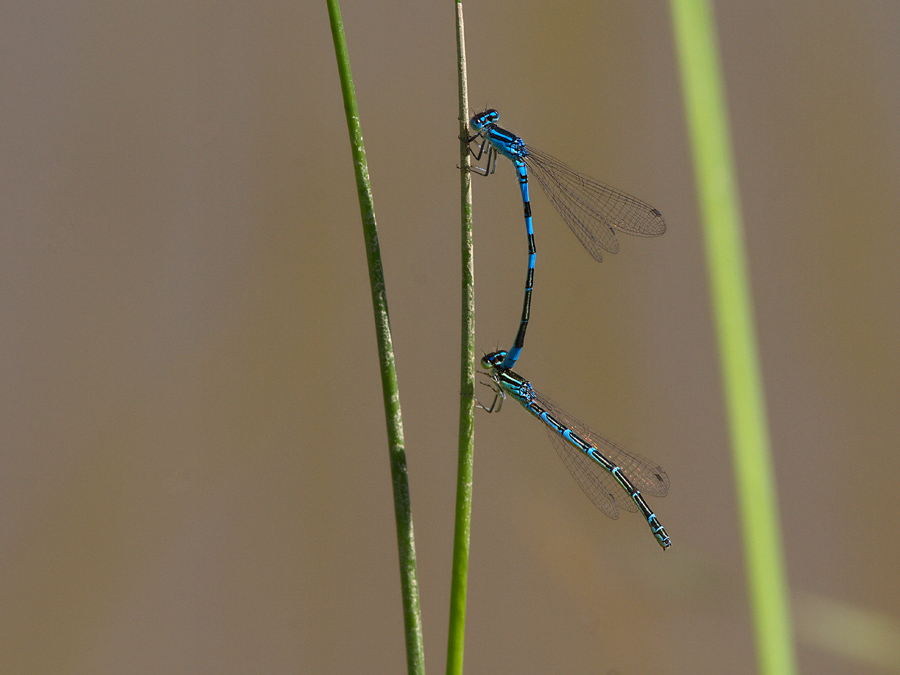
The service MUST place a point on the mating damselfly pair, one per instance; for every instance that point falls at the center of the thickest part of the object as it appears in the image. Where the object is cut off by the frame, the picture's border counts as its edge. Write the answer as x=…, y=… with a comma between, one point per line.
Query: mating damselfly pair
x=610, y=476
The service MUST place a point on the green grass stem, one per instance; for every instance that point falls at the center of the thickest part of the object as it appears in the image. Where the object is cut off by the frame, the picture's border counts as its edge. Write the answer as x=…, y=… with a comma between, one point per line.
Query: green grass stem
x=412, y=618
x=706, y=111
x=462, y=526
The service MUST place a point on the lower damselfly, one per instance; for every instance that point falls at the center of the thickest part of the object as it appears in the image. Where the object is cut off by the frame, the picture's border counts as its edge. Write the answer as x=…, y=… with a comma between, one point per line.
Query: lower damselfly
x=613, y=478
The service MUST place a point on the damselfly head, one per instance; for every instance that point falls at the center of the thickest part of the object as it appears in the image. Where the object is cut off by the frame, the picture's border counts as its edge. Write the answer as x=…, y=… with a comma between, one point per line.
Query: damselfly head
x=483, y=119
x=489, y=361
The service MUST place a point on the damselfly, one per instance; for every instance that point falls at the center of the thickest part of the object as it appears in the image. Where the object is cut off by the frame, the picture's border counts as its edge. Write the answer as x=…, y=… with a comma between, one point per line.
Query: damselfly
x=610, y=476
x=592, y=210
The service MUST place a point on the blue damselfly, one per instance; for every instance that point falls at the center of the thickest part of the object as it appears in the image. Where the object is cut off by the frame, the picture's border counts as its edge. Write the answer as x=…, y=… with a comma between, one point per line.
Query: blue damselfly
x=612, y=477
x=592, y=210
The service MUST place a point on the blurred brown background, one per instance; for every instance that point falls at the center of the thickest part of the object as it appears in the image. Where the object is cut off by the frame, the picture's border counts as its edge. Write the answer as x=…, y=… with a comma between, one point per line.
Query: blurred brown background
x=194, y=463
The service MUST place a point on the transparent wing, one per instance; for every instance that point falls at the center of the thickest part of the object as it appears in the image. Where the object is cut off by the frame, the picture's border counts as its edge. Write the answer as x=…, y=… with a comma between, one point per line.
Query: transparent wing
x=646, y=476
x=600, y=487
x=592, y=210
